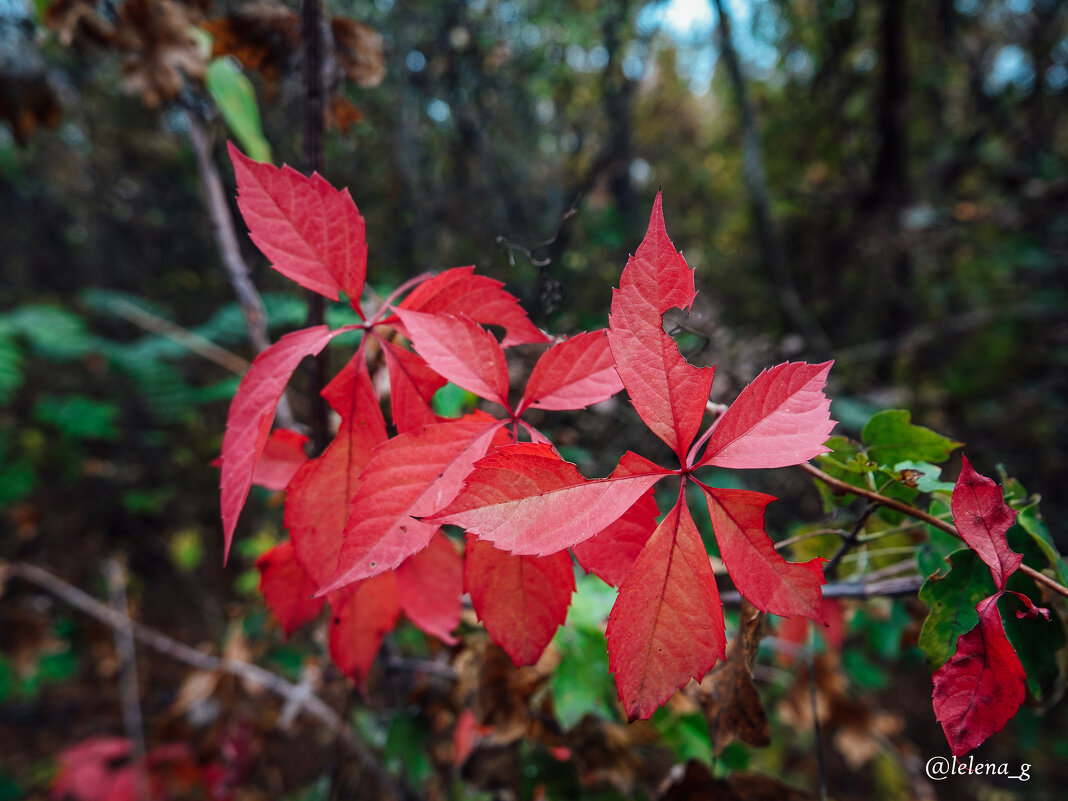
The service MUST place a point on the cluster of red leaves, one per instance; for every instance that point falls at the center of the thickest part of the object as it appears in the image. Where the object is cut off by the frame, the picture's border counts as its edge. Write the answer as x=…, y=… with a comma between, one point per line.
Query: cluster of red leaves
x=365, y=517
x=980, y=688
x=102, y=769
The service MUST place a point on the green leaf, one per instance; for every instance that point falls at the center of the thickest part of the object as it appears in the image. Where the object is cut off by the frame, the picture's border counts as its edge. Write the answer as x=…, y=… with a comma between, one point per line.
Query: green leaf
x=686, y=735
x=580, y=684
x=952, y=598
x=1037, y=641
x=927, y=479
x=78, y=416
x=931, y=555
x=406, y=749
x=10, y=367
x=52, y=332
x=233, y=94
x=1031, y=521
x=453, y=401
x=890, y=438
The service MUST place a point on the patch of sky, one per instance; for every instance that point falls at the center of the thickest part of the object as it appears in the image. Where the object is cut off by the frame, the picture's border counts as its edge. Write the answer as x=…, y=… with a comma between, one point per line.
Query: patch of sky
x=755, y=28
x=1011, y=66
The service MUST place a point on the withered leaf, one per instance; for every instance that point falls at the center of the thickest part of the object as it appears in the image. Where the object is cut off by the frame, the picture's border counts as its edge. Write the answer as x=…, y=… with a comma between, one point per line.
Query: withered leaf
x=359, y=52
x=694, y=782
x=728, y=696
x=263, y=36
x=161, y=53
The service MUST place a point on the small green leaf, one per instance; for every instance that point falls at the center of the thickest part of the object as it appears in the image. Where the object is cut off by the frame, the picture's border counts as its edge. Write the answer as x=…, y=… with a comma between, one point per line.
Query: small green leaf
x=952, y=598
x=890, y=438
x=233, y=94
x=187, y=549
x=10, y=367
x=922, y=475
x=453, y=401
x=686, y=735
x=1031, y=521
x=406, y=748
x=52, y=332
x=580, y=684
x=78, y=416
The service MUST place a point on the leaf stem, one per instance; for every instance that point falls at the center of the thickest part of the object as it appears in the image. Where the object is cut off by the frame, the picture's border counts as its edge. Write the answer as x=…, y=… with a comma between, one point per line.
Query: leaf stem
x=905, y=509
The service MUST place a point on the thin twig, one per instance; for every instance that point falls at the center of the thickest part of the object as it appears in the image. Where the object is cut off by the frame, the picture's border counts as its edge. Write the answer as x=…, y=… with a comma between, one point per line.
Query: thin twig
x=129, y=694
x=294, y=694
x=906, y=585
x=905, y=509
x=850, y=540
x=226, y=240
x=189, y=340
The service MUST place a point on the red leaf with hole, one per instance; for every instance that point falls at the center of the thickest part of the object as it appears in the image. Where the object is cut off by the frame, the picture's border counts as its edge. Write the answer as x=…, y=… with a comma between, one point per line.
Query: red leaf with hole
x=460, y=292
x=412, y=385
x=521, y=600
x=668, y=392
x=430, y=584
x=287, y=588
x=980, y=688
x=759, y=572
x=361, y=616
x=526, y=499
x=317, y=501
x=312, y=233
x=462, y=351
x=573, y=374
x=782, y=418
x=982, y=519
x=252, y=411
x=281, y=458
x=666, y=626
x=408, y=477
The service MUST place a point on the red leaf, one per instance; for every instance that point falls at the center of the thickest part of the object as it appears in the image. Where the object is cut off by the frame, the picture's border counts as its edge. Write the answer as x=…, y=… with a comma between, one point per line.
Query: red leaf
x=794, y=629
x=982, y=518
x=430, y=584
x=317, y=501
x=610, y=553
x=412, y=385
x=525, y=499
x=573, y=374
x=362, y=615
x=312, y=233
x=408, y=477
x=460, y=292
x=667, y=624
x=521, y=600
x=287, y=588
x=282, y=456
x=980, y=688
x=782, y=418
x=462, y=351
x=87, y=770
x=251, y=414
x=759, y=572
x=668, y=392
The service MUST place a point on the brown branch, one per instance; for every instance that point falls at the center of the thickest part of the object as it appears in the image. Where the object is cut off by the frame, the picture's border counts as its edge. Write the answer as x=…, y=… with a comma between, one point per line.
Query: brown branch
x=294, y=694
x=905, y=509
x=226, y=239
x=887, y=588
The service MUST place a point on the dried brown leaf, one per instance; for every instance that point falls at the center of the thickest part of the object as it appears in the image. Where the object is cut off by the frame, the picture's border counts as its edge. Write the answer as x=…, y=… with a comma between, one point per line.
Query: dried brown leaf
x=359, y=52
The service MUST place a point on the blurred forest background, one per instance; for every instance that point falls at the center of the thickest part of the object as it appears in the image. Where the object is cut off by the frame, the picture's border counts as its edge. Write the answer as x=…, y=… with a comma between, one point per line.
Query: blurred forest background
x=882, y=182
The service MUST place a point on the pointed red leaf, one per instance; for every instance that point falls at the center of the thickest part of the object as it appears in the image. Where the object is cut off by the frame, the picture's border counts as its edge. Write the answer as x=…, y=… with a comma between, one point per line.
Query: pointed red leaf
x=525, y=499
x=521, y=600
x=287, y=588
x=251, y=414
x=361, y=616
x=668, y=392
x=460, y=292
x=759, y=572
x=412, y=385
x=317, y=500
x=610, y=553
x=408, y=477
x=311, y=232
x=980, y=688
x=782, y=418
x=462, y=351
x=430, y=584
x=982, y=519
x=282, y=456
x=573, y=374
x=667, y=624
